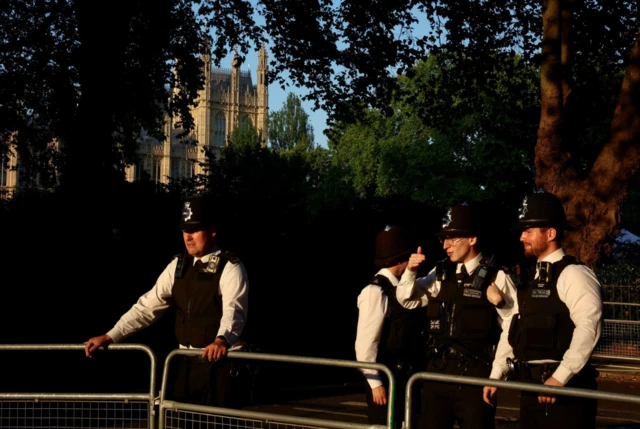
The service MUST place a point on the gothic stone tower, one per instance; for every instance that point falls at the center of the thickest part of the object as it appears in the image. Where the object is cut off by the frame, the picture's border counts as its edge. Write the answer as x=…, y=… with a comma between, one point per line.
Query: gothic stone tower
x=228, y=99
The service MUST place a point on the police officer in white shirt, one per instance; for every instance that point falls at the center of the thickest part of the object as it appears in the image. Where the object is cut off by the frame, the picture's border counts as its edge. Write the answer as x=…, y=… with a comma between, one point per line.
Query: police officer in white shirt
x=469, y=306
x=209, y=288
x=559, y=322
x=388, y=333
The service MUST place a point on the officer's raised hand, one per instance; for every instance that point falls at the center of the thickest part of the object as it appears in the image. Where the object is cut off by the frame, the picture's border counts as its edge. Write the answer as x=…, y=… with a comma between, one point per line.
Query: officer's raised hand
x=217, y=349
x=416, y=259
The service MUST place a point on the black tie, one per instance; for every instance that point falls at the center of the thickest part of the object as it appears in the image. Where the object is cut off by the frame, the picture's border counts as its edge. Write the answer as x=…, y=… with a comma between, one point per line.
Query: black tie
x=463, y=274
x=199, y=266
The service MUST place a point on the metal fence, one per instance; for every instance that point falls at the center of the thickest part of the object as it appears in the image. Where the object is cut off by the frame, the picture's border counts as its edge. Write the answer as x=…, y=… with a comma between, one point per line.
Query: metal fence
x=40, y=410
x=621, y=327
x=174, y=415
x=515, y=385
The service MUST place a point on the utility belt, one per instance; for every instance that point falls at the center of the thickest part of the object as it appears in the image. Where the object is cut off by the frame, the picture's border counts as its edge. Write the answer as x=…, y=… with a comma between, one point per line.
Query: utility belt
x=452, y=351
x=534, y=372
x=460, y=360
x=531, y=372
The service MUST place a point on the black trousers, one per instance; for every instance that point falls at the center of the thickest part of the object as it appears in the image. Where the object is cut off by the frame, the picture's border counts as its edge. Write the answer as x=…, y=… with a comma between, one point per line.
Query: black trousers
x=567, y=413
x=206, y=383
x=444, y=404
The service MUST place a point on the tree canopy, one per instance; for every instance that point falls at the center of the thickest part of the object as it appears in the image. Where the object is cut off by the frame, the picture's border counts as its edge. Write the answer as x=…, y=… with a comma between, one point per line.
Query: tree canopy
x=89, y=80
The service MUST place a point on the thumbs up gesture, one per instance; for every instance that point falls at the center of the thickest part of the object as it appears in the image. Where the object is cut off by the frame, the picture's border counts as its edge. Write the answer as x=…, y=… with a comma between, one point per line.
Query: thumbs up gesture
x=416, y=259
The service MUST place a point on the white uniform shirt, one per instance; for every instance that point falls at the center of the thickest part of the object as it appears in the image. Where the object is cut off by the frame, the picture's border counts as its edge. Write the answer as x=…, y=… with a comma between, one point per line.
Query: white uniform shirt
x=234, y=289
x=372, y=309
x=413, y=292
x=579, y=289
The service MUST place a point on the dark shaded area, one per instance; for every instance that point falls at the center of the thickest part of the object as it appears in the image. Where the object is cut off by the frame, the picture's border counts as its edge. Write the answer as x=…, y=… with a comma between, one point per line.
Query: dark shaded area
x=64, y=283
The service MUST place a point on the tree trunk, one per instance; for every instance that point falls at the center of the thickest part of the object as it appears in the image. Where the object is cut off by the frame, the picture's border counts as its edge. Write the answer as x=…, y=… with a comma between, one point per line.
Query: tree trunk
x=87, y=179
x=551, y=161
x=566, y=55
x=606, y=186
x=592, y=203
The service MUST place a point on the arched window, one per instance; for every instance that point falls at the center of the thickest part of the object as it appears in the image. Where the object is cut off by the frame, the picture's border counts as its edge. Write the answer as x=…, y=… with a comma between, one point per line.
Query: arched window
x=4, y=172
x=141, y=170
x=219, y=130
x=175, y=168
x=157, y=169
x=191, y=169
x=245, y=122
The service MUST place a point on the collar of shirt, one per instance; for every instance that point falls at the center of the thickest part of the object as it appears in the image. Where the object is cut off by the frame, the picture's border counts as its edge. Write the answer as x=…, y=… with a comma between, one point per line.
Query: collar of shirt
x=471, y=265
x=553, y=257
x=215, y=251
x=393, y=279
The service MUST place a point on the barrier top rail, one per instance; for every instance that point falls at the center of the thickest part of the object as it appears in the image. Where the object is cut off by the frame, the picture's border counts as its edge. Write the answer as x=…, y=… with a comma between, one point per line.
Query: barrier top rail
x=80, y=347
x=150, y=397
x=516, y=385
x=278, y=358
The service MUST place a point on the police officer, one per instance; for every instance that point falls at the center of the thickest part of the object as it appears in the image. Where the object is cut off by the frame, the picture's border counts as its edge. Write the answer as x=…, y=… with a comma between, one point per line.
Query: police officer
x=388, y=333
x=560, y=321
x=462, y=294
x=209, y=288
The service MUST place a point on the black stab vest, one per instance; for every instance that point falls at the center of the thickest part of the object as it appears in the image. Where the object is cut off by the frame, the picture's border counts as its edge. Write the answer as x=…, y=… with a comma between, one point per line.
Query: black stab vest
x=462, y=315
x=543, y=329
x=402, y=332
x=198, y=302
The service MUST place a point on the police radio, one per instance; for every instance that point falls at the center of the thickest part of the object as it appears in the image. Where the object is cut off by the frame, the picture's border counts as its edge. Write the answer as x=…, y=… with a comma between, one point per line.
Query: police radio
x=181, y=266
x=486, y=272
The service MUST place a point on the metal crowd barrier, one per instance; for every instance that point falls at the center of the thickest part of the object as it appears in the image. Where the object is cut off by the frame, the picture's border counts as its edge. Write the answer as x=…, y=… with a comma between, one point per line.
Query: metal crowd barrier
x=620, y=338
x=78, y=410
x=515, y=385
x=175, y=415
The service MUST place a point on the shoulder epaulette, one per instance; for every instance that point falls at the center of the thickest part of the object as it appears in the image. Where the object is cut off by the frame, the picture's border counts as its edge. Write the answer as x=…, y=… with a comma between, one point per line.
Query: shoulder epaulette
x=230, y=256
x=383, y=282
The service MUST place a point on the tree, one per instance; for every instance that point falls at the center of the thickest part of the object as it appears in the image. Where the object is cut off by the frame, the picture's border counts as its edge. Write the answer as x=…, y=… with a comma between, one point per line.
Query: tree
x=569, y=39
x=92, y=79
x=592, y=196
x=444, y=144
x=74, y=74
x=289, y=127
x=245, y=137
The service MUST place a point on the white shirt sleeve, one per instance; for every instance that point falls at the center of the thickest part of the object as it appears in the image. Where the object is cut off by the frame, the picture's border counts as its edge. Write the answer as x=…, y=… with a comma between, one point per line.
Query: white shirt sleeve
x=579, y=288
x=504, y=349
x=372, y=308
x=413, y=292
x=234, y=288
x=149, y=307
